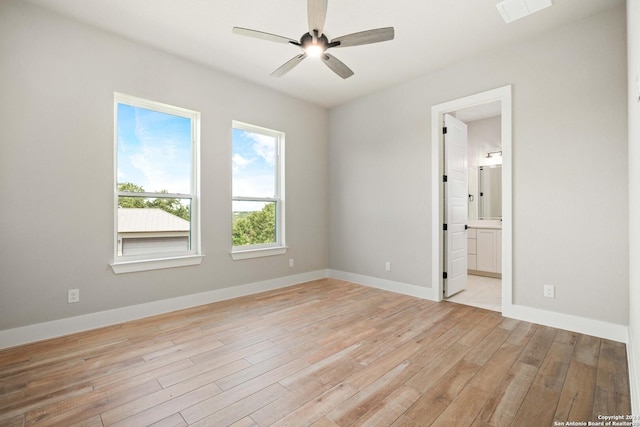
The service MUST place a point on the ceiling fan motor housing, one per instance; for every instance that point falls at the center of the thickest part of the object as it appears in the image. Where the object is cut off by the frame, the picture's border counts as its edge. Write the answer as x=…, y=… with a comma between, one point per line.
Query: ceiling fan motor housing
x=322, y=41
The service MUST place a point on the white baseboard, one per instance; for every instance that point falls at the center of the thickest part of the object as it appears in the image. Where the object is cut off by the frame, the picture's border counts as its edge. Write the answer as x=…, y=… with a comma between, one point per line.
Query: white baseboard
x=57, y=328
x=384, y=284
x=634, y=376
x=582, y=325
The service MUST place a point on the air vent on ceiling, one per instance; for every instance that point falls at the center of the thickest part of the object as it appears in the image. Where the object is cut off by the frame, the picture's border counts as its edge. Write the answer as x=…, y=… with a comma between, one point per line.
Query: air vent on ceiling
x=516, y=9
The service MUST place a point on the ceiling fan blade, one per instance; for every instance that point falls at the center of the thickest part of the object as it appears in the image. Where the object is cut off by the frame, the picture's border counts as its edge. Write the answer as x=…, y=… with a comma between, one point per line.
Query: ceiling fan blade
x=262, y=35
x=317, y=12
x=288, y=66
x=337, y=66
x=365, y=37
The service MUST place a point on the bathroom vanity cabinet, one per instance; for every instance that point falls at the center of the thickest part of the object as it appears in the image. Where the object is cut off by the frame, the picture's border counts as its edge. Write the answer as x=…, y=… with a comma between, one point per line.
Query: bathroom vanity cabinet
x=484, y=251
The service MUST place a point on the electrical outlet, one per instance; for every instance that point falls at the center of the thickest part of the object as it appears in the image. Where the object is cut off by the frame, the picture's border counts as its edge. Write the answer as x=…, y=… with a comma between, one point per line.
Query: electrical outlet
x=387, y=266
x=549, y=291
x=290, y=262
x=73, y=295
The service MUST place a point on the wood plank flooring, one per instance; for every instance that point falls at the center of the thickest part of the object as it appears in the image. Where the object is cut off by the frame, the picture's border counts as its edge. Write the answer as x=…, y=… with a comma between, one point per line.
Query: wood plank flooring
x=324, y=353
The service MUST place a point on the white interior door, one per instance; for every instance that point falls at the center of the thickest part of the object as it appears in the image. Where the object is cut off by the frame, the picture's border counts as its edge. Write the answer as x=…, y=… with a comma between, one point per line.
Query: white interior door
x=456, y=193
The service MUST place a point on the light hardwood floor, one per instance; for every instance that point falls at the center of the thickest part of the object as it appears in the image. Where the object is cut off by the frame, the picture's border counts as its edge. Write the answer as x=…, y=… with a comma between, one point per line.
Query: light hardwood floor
x=323, y=353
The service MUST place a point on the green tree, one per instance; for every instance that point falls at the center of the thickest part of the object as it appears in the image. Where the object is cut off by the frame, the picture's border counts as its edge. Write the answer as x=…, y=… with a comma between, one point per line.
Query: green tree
x=255, y=228
x=130, y=202
x=171, y=205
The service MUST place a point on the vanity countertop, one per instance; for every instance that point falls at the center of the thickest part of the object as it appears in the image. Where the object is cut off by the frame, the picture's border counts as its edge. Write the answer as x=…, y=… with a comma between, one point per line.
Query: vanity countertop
x=495, y=224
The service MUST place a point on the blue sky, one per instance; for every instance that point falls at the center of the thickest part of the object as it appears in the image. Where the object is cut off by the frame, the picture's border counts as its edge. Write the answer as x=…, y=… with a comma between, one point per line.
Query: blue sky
x=253, y=164
x=154, y=149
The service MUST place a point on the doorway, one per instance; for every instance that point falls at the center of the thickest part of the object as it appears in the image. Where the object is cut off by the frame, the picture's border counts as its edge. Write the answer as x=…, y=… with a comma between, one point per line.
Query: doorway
x=503, y=97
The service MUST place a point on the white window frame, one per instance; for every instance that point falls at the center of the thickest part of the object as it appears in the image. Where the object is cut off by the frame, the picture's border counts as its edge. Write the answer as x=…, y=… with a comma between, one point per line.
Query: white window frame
x=128, y=264
x=279, y=247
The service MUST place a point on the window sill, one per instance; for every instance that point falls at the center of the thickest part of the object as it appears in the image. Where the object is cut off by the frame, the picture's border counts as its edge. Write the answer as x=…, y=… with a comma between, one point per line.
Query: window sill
x=257, y=253
x=155, y=264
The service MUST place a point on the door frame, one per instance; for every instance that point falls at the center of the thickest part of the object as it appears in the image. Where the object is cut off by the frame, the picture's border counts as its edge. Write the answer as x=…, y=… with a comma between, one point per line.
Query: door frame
x=502, y=94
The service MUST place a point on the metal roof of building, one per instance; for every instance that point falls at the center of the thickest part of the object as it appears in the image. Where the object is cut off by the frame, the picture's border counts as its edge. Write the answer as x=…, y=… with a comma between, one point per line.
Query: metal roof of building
x=131, y=220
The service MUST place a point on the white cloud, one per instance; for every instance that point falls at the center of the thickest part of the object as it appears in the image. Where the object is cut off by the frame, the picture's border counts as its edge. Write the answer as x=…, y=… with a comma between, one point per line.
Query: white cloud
x=240, y=162
x=264, y=146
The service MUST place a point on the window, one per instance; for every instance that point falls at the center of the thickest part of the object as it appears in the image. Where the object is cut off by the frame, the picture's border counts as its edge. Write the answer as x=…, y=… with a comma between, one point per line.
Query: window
x=156, y=202
x=257, y=191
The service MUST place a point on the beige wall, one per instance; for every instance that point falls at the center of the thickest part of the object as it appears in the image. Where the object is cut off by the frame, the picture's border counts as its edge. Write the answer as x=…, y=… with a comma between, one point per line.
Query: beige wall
x=570, y=216
x=57, y=80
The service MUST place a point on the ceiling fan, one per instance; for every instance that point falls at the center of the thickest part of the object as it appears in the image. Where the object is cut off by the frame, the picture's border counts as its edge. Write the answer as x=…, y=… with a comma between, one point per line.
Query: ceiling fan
x=315, y=43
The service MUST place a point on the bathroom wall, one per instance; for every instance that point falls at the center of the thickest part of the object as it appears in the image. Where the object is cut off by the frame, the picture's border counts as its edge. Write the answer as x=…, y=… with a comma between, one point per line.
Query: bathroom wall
x=484, y=136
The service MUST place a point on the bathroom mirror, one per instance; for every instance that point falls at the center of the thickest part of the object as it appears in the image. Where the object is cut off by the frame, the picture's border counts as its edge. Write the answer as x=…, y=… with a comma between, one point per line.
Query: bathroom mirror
x=485, y=192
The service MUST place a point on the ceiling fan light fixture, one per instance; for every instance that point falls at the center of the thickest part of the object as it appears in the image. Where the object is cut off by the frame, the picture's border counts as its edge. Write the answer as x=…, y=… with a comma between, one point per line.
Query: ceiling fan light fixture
x=314, y=45
x=314, y=50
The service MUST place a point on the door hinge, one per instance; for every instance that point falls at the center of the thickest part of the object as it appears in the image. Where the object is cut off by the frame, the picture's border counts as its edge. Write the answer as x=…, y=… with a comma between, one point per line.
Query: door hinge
x=444, y=178
x=444, y=227
x=444, y=130
x=444, y=275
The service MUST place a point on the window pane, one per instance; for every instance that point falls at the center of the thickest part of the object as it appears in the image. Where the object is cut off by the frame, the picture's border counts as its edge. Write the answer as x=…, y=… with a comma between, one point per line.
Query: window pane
x=151, y=226
x=254, y=223
x=254, y=164
x=154, y=150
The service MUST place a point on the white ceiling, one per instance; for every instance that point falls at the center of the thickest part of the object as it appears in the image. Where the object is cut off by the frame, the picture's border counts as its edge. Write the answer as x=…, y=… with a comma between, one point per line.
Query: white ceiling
x=430, y=34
